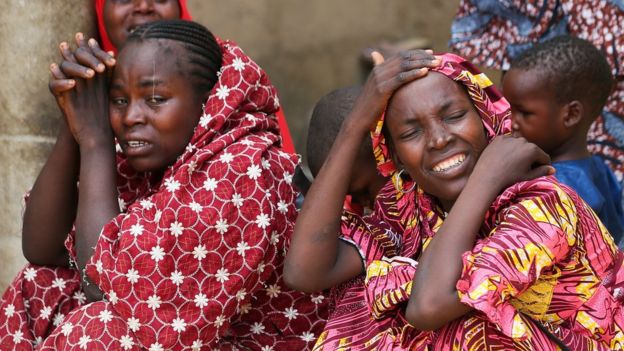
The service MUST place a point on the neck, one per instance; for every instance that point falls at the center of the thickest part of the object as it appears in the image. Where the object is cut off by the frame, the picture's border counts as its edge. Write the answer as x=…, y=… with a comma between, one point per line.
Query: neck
x=575, y=148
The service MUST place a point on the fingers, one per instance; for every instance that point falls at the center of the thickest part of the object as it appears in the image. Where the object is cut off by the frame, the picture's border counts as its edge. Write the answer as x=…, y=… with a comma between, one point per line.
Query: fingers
x=377, y=58
x=540, y=171
x=85, y=55
x=106, y=57
x=59, y=82
x=76, y=70
x=66, y=52
x=409, y=76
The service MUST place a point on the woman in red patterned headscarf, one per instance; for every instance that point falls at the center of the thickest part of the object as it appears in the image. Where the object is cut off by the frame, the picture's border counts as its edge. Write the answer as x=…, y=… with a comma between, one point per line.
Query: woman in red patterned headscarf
x=190, y=254
x=456, y=179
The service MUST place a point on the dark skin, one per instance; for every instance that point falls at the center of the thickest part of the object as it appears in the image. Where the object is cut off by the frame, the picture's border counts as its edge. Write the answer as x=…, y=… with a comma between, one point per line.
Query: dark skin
x=83, y=99
x=45, y=227
x=150, y=114
x=122, y=16
x=441, y=143
x=558, y=127
x=317, y=259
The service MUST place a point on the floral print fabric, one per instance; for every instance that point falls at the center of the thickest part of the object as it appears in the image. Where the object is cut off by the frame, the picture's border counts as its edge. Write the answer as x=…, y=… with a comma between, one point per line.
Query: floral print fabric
x=195, y=259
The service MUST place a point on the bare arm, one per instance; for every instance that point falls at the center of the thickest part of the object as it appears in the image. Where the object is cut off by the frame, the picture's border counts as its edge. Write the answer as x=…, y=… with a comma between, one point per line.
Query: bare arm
x=51, y=207
x=434, y=300
x=317, y=259
x=85, y=108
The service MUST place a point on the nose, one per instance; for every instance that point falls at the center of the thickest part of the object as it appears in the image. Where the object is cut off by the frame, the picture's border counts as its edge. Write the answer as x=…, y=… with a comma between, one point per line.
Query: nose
x=143, y=6
x=439, y=135
x=135, y=115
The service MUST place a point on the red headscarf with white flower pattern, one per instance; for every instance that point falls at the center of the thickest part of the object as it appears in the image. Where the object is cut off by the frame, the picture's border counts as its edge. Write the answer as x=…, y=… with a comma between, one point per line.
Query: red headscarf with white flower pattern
x=189, y=252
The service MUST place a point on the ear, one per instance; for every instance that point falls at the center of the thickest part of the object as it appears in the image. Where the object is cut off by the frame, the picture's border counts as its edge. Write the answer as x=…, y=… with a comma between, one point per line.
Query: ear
x=573, y=113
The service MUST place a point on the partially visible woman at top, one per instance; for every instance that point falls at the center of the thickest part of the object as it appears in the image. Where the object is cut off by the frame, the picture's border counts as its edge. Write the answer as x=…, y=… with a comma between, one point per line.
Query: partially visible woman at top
x=116, y=19
x=472, y=245
x=494, y=32
x=178, y=236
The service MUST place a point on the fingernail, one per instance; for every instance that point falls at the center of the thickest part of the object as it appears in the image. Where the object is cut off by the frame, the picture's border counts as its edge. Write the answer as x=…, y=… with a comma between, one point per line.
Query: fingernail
x=92, y=42
x=53, y=66
x=72, y=82
x=100, y=67
x=112, y=53
x=79, y=36
x=90, y=72
x=63, y=45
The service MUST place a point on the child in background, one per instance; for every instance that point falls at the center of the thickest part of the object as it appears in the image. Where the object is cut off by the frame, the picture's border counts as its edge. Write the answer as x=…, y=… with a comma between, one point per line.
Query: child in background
x=556, y=90
x=365, y=182
x=327, y=117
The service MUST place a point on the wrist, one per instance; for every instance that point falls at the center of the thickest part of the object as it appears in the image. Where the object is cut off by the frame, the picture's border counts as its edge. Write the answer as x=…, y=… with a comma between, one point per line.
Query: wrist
x=91, y=141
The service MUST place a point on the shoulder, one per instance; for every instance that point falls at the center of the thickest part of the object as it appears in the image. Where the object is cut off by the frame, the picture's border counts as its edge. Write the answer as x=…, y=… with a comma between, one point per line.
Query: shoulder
x=542, y=200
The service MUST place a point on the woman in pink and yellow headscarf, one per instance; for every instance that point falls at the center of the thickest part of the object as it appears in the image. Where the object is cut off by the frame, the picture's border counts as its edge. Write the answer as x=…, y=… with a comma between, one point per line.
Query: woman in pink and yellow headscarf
x=473, y=245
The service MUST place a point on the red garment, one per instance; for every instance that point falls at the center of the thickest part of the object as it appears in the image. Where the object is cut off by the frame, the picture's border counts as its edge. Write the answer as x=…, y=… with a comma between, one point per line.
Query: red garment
x=195, y=258
x=287, y=142
x=99, y=13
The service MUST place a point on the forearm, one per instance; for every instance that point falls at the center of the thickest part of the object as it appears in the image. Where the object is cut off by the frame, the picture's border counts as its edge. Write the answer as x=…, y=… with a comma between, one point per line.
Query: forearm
x=51, y=208
x=434, y=300
x=97, y=201
x=315, y=257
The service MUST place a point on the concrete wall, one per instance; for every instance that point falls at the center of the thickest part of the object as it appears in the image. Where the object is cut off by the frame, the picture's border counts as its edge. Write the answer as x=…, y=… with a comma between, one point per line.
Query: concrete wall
x=29, y=34
x=307, y=47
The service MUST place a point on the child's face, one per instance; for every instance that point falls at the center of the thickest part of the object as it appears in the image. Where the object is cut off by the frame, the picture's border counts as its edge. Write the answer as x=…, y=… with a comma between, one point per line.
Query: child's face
x=153, y=107
x=536, y=115
x=121, y=17
x=436, y=134
x=365, y=179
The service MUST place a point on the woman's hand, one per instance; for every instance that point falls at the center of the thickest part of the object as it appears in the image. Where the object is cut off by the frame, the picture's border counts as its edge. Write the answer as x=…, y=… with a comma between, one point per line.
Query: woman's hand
x=508, y=160
x=79, y=85
x=385, y=78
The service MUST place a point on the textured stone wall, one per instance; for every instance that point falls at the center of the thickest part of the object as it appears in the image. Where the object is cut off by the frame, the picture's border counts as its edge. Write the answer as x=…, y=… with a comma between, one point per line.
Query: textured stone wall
x=311, y=47
x=307, y=47
x=29, y=34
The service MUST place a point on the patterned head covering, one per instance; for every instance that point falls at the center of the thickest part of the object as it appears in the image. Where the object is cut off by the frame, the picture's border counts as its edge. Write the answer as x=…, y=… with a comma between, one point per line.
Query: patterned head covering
x=489, y=102
x=105, y=41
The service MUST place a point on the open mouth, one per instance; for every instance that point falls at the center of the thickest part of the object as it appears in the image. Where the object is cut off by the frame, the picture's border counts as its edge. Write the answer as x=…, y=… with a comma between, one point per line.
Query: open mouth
x=136, y=143
x=449, y=163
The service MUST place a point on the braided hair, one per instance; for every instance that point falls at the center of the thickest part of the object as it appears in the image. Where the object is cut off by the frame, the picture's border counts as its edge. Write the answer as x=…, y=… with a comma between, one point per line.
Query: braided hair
x=573, y=67
x=204, y=51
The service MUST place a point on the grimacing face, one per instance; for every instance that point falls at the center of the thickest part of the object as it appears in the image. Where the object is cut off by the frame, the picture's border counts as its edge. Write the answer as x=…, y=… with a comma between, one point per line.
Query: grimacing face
x=437, y=135
x=121, y=17
x=153, y=109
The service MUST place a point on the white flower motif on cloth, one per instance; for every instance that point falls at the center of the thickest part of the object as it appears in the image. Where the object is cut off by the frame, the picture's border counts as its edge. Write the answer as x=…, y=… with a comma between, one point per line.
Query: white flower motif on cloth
x=193, y=252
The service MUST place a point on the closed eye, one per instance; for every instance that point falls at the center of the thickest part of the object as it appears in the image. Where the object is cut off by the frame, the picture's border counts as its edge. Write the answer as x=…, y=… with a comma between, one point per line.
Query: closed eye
x=455, y=117
x=414, y=132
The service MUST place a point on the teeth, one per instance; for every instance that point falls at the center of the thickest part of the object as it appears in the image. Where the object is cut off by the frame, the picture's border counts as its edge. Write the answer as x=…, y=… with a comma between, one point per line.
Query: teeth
x=449, y=163
x=136, y=143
